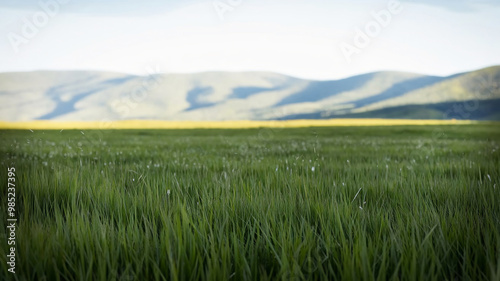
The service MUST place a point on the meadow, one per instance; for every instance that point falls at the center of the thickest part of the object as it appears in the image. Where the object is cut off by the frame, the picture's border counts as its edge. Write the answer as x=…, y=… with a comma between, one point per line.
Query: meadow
x=317, y=203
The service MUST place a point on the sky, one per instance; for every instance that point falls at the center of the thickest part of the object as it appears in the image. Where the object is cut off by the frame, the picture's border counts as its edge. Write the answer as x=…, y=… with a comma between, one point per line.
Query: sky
x=313, y=39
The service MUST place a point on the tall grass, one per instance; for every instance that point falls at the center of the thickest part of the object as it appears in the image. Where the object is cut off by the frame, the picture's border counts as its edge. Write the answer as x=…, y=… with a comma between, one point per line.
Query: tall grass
x=381, y=203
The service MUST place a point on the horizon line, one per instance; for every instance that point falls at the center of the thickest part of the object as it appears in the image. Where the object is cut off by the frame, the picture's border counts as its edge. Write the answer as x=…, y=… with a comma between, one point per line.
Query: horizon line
x=246, y=71
x=234, y=124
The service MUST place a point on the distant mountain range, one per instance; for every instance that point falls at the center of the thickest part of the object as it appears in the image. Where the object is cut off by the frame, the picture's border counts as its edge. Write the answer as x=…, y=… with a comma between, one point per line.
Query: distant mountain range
x=94, y=96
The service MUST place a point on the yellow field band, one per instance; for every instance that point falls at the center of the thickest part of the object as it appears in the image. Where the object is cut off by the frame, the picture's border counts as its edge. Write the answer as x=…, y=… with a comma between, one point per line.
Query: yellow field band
x=145, y=124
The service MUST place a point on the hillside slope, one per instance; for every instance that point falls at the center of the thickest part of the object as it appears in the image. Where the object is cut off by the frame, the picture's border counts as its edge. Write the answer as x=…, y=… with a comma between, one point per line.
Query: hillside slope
x=94, y=96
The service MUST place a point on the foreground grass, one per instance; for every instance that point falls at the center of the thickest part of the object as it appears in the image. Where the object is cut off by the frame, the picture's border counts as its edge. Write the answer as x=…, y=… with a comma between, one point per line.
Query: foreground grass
x=365, y=203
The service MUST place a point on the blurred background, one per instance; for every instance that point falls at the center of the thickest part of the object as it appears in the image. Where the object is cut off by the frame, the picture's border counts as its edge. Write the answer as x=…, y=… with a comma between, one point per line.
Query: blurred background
x=249, y=60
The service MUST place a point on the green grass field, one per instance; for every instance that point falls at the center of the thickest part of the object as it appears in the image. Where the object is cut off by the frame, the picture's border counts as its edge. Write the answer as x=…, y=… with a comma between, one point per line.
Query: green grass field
x=337, y=203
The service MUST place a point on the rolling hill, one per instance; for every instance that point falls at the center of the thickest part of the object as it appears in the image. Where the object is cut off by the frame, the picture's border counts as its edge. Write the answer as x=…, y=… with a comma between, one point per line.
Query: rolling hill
x=95, y=96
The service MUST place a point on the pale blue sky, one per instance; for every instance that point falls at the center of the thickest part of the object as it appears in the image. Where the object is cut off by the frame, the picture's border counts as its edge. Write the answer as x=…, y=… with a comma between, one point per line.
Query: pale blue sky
x=299, y=38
